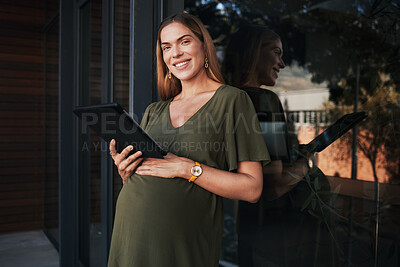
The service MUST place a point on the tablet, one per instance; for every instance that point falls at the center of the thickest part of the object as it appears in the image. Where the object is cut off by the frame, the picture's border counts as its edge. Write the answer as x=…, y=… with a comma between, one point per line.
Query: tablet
x=336, y=130
x=274, y=134
x=111, y=121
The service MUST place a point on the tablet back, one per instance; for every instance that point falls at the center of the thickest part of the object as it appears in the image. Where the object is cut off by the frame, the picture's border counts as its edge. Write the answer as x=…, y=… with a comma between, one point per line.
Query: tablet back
x=110, y=121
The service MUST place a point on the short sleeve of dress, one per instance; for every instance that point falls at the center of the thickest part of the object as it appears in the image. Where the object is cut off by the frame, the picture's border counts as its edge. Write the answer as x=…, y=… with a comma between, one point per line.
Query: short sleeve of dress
x=243, y=136
x=146, y=116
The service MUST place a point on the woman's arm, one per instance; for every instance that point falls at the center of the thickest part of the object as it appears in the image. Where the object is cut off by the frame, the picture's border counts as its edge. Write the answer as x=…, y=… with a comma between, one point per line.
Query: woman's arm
x=279, y=180
x=246, y=184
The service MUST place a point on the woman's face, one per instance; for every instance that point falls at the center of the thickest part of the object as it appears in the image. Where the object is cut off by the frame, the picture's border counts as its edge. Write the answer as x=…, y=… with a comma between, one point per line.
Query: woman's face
x=183, y=52
x=270, y=62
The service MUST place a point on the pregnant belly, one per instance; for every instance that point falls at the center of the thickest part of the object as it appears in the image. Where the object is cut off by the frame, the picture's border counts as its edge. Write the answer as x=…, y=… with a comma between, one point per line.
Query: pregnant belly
x=168, y=204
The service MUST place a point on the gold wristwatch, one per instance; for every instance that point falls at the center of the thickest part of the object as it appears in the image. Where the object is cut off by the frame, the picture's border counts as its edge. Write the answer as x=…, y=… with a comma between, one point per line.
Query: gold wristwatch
x=196, y=171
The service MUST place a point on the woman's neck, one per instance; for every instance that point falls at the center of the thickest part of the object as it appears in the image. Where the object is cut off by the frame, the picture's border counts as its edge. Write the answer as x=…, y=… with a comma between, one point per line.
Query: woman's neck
x=251, y=84
x=200, y=84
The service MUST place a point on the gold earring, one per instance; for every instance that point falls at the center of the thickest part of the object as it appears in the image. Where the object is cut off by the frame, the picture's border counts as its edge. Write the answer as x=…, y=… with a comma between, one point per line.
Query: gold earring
x=206, y=64
x=169, y=75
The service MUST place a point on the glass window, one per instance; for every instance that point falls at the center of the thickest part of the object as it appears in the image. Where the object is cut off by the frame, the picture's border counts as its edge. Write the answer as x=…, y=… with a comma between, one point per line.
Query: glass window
x=338, y=57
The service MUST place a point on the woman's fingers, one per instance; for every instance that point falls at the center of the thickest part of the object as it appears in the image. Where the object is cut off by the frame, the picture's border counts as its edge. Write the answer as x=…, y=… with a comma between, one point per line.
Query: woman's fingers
x=126, y=151
x=113, y=150
x=146, y=170
x=169, y=167
x=126, y=162
x=118, y=158
x=131, y=168
x=126, y=165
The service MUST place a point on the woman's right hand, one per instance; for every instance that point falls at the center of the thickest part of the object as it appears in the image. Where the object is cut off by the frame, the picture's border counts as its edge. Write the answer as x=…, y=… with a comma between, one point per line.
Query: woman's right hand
x=126, y=165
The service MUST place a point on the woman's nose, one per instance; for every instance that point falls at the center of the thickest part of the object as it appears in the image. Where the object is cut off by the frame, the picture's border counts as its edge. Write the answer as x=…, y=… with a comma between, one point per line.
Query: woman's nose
x=176, y=52
x=282, y=64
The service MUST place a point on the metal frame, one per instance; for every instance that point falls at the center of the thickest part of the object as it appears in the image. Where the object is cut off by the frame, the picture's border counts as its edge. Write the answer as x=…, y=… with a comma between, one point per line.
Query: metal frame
x=141, y=58
x=107, y=90
x=83, y=41
x=46, y=29
x=172, y=7
x=67, y=137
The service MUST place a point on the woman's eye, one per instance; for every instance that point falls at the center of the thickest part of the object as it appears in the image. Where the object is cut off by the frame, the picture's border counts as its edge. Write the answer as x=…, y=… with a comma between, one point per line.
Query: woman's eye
x=165, y=48
x=185, y=42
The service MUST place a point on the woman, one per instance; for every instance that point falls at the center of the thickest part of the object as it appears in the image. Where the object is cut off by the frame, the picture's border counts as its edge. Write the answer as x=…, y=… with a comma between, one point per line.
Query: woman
x=278, y=231
x=161, y=218
x=253, y=59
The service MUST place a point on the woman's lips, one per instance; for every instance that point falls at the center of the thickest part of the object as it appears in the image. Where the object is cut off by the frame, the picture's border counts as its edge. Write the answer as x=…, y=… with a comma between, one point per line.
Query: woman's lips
x=181, y=65
x=275, y=71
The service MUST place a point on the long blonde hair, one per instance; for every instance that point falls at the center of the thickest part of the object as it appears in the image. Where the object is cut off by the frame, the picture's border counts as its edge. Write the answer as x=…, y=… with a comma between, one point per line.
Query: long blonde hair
x=168, y=88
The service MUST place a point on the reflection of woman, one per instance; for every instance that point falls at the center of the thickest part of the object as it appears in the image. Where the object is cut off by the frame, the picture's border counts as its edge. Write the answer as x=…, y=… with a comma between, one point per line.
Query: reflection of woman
x=173, y=222
x=254, y=58
x=276, y=225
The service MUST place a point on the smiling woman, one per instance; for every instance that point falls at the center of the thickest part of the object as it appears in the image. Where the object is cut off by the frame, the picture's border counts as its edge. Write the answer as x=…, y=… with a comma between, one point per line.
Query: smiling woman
x=192, y=38
x=169, y=211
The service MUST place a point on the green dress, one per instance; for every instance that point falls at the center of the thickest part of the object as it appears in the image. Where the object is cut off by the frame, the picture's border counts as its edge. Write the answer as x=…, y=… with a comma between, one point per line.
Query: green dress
x=171, y=222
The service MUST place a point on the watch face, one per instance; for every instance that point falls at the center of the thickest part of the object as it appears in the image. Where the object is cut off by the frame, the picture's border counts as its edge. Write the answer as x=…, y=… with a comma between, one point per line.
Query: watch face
x=196, y=170
x=310, y=163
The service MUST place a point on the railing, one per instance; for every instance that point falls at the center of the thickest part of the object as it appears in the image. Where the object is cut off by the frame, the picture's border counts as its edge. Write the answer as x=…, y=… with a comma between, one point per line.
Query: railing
x=308, y=117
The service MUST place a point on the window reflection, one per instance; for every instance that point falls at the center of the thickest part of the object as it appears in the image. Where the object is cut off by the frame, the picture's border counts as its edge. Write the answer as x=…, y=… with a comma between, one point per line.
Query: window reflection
x=340, y=56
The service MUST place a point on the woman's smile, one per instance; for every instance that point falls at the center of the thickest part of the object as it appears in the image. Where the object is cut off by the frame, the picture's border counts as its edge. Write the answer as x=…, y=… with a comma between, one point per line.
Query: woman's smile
x=181, y=65
x=275, y=71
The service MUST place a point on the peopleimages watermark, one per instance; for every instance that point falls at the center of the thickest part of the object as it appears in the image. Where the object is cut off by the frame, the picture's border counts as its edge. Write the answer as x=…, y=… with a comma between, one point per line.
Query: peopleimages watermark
x=205, y=146
x=197, y=146
x=108, y=123
x=204, y=123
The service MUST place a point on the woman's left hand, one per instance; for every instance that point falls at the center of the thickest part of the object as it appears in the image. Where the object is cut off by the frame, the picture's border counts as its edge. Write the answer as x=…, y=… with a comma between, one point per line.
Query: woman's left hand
x=170, y=167
x=246, y=184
